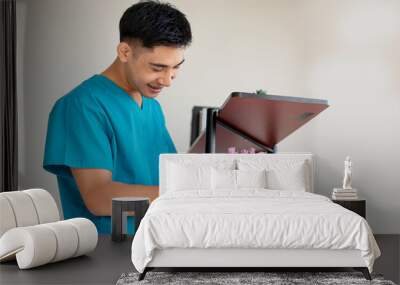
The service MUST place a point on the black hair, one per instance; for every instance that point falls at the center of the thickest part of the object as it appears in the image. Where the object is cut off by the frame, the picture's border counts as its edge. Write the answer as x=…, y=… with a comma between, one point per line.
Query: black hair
x=154, y=24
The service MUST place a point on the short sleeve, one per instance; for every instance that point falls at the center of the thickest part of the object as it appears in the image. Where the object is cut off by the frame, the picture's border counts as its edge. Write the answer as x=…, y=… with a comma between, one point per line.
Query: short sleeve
x=78, y=136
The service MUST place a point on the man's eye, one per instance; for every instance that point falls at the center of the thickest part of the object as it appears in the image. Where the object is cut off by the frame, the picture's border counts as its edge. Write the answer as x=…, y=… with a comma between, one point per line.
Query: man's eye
x=157, y=69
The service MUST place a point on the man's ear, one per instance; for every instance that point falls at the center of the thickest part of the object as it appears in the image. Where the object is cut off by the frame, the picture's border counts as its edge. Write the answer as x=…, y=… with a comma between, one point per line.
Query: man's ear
x=123, y=51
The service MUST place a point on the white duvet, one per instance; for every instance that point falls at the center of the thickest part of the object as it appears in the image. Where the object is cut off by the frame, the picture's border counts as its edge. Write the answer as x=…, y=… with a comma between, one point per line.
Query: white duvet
x=250, y=219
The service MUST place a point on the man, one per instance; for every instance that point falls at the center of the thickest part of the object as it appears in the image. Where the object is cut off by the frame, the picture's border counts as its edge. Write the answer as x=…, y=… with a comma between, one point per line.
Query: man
x=105, y=136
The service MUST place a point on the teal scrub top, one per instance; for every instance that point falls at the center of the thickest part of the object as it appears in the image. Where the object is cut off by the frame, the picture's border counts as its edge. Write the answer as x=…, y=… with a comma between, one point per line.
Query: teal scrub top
x=99, y=125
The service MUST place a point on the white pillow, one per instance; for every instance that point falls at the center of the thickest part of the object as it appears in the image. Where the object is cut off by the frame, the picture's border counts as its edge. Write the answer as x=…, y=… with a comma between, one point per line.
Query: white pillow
x=187, y=177
x=193, y=174
x=223, y=179
x=251, y=178
x=282, y=174
x=293, y=178
x=226, y=179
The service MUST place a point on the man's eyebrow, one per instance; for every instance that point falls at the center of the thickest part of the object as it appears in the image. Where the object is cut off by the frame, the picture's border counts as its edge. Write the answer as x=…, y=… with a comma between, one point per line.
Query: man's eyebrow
x=164, y=65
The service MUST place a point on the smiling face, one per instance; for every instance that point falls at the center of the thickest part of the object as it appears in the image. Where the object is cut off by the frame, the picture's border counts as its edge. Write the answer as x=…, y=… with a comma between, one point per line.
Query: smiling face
x=149, y=70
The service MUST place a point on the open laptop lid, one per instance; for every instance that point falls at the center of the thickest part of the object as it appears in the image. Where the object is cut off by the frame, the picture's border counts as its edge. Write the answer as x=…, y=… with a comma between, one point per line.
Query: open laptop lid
x=260, y=121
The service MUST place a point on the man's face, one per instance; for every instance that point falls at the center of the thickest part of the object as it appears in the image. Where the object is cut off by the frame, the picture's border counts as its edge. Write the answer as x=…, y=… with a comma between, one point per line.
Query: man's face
x=150, y=70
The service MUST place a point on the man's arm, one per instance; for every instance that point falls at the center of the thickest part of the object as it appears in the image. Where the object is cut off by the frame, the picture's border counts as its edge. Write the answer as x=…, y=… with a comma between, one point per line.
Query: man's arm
x=97, y=189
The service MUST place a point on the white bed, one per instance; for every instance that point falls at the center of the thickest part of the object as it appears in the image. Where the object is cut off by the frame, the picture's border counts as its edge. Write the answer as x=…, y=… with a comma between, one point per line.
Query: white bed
x=198, y=222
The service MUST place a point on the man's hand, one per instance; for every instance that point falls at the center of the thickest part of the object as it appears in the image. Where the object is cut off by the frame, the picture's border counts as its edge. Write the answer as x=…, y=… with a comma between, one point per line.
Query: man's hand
x=97, y=189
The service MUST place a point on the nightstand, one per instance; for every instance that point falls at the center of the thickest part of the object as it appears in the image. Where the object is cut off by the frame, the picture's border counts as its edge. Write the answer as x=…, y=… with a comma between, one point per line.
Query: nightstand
x=357, y=206
x=120, y=207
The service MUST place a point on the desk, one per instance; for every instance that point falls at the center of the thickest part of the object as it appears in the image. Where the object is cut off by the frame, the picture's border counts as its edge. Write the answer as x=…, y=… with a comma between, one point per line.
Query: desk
x=110, y=259
x=102, y=266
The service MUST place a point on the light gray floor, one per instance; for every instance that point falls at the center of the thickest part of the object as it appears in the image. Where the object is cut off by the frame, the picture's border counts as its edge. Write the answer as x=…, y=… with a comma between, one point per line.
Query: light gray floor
x=111, y=259
x=389, y=262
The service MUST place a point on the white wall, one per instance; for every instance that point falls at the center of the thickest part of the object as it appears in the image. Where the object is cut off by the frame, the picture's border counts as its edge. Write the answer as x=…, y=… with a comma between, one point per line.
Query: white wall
x=340, y=50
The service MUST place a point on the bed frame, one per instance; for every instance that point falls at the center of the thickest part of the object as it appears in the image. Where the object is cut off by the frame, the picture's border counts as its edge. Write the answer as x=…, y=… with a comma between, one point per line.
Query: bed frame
x=234, y=259
x=246, y=259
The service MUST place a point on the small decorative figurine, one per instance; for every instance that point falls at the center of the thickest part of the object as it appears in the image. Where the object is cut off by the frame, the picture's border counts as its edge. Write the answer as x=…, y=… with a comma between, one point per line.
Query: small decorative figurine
x=347, y=173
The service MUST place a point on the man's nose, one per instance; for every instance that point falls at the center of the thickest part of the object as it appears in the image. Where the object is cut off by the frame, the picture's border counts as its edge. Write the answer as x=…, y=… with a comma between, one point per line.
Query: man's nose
x=166, y=80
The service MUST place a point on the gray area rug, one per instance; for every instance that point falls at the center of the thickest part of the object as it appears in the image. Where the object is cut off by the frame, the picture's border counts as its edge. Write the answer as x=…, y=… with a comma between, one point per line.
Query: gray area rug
x=269, y=278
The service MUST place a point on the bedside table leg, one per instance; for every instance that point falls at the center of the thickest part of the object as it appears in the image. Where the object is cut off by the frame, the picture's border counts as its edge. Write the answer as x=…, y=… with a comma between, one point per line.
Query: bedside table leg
x=116, y=221
x=140, y=211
